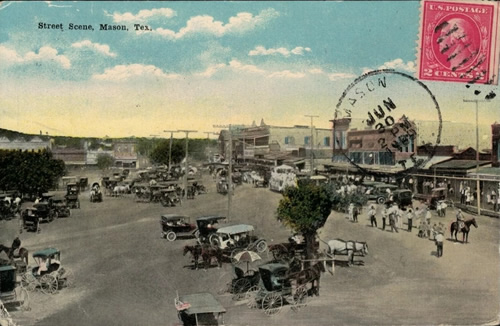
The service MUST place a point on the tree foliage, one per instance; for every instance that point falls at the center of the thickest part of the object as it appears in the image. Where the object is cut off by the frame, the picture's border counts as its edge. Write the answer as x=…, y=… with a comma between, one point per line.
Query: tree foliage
x=305, y=209
x=196, y=148
x=30, y=173
x=105, y=161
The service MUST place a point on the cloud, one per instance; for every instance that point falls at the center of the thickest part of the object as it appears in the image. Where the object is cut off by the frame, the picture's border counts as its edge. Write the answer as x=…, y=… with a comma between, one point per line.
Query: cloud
x=97, y=47
x=142, y=15
x=286, y=74
x=127, y=72
x=238, y=66
x=340, y=75
x=260, y=50
x=398, y=64
x=207, y=25
x=211, y=70
x=45, y=54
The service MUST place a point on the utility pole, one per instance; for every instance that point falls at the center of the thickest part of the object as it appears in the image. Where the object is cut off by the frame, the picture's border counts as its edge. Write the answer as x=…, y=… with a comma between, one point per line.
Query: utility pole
x=186, y=163
x=312, y=142
x=478, y=190
x=170, y=148
x=230, y=170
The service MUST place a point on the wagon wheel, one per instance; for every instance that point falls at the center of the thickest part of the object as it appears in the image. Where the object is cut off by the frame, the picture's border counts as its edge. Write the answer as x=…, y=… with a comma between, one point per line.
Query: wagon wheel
x=251, y=297
x=28, y=281
x=272, y=303
x=239, y=289
x=261, y=246
x=380, y=200
x=279, y=252
x=196, y=234
x=49, y=284
x=213, y=240
x=67, y=278
x=171, y=236
x=299, y=298
x=224, y=284
x=22, y=298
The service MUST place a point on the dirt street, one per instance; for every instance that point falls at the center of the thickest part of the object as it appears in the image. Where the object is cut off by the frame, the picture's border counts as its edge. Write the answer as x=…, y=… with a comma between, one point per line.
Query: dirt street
x=127, y=275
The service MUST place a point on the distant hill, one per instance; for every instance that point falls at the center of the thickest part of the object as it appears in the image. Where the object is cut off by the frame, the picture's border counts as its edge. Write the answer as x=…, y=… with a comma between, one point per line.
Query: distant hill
x=11, y=135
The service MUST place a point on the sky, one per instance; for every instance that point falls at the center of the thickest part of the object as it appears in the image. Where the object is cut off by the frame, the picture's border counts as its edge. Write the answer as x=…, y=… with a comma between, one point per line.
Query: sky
x=202, y=64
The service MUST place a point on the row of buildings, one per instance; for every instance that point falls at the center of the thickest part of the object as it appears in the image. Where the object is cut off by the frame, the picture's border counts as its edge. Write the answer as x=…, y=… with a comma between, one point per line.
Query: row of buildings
x=123, y=151
x=421, y=152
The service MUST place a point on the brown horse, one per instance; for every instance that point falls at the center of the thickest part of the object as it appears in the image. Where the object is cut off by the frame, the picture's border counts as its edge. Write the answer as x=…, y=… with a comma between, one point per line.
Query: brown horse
x=311, y=275
x=22, y=254
x=207, y=254
x=454, y=229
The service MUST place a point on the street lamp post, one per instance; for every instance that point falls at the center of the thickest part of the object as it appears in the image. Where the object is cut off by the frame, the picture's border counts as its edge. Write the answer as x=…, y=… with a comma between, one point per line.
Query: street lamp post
x=186, y=163
x=478, y=190
x=311, y=141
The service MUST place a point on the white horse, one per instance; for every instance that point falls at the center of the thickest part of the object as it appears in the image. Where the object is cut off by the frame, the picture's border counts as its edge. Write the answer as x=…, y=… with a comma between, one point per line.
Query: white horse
x=120, y=190
x=349, y=248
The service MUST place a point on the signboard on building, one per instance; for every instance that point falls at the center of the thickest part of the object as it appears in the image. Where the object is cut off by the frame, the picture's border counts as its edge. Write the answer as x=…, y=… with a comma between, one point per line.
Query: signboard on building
x=249, y=153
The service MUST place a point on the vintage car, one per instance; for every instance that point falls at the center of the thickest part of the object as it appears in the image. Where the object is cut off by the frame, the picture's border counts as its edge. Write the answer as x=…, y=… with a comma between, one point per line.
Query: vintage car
x=402, y=197
x=173, y=225
x=207, y=227
x=45, y=211
x=381, y=192
x=239, y=237
x=59, y=207
x=72, y=192
x=436, y=195
x=199, y=309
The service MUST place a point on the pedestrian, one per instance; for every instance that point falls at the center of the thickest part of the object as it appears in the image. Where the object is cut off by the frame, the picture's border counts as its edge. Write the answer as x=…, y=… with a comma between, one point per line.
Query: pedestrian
x=439, y=244
x=392, y=222
x=438, y=208
x=355, y=214
x=371, y=215
x=350, y=210
x=384, y=218
x=410, y=215
x=428, y=216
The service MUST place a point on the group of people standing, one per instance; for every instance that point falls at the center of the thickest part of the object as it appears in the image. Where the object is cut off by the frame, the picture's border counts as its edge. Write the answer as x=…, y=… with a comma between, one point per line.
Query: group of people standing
x=393, y=216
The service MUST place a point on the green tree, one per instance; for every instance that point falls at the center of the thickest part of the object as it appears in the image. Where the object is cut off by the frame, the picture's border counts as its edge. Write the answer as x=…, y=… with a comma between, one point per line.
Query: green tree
x=160, y=153
x=105, y=161
x=30, y=173
x=305, y=209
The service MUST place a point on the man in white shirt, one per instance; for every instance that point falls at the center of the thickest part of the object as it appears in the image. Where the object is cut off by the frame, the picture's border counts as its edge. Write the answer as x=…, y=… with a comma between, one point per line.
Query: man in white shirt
x=439, y=244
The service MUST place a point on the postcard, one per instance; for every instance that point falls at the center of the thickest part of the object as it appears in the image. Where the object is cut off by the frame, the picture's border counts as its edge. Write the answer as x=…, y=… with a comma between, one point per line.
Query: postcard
x=249, y=163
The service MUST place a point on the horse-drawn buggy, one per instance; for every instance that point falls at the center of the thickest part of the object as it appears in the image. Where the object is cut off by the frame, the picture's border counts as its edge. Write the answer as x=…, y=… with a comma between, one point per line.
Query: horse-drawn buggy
x=281, y=284
x=241, y=280
x=30, y=219
x=207, y=226
x=295, y=247
x=236, y=238
x=199, y=309
x=72, y=192
x=174, y=225
x=11, y=294
x=59, y=207
x=48, y=275
x=95, y=193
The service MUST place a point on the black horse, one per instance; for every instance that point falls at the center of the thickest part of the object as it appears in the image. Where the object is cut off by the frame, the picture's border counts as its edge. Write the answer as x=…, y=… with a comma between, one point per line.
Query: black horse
x=454, y=229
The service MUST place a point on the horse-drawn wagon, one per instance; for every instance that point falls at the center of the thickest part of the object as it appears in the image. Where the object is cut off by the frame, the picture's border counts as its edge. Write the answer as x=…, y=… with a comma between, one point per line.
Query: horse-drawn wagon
x=95, y=193
x=30, y=219
x=281, y=284
x=348, y=248
x=174, y=225
x=10, y=291
x=72, y=192
x=295, y=247
x=199, y=309
x=48, y=275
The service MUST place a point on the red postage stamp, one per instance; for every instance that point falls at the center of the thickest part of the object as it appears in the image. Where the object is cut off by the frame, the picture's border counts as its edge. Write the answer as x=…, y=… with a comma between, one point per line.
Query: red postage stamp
x=459, y=41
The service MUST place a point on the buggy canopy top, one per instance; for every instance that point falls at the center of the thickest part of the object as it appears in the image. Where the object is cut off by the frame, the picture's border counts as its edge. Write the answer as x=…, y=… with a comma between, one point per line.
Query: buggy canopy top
x=210, y=218
x=173, y=217
x=201, y=303
x=274, y=267
x=45, y=253
x=6, y=268
x=236, y=229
